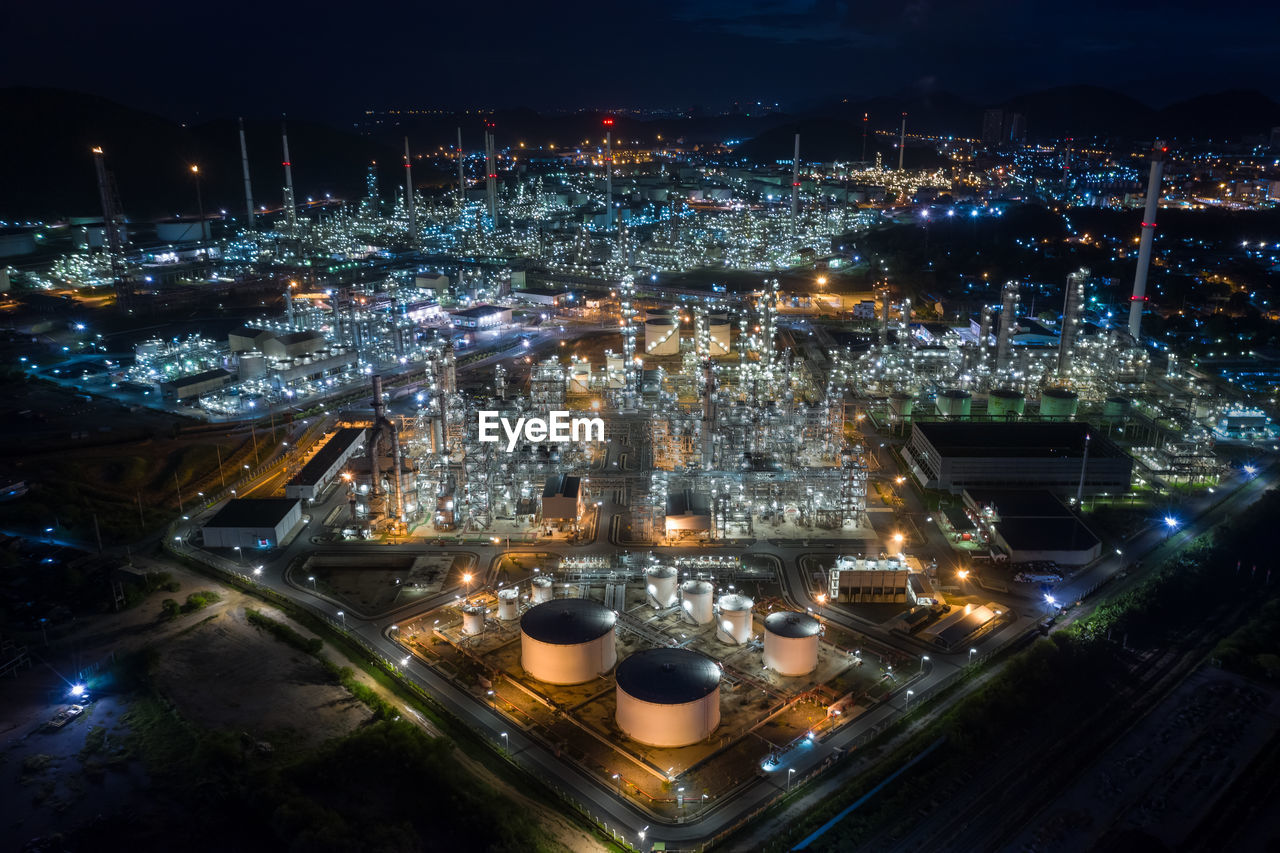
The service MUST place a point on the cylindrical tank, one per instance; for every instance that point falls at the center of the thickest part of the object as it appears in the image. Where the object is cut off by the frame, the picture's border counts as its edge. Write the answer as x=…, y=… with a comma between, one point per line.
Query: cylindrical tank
x=697, y=602
x=1006, y=402
x=543, y=589
x=791, y=643
x=508, y=604
x=954, y=403
x=662, y=336
x=568, y=641
x=1059, y=403
x=719, y=330
x=1115, y=409
x=735, y=617
x=660, y=583
x=472, y=619
x=668, y=697
x=251, y=365
x=901, y=405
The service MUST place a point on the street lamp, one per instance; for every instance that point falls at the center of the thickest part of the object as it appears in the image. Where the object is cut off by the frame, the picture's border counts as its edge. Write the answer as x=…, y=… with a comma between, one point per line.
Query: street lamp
x=506, y=743
x=312, y=578
x=239, y=555
x=972, y=652
x=257, y=573
x=617, y=777
x=195, y=170
x=343, y=617
x=907, y=704
x=923, y=660
x=791, y=771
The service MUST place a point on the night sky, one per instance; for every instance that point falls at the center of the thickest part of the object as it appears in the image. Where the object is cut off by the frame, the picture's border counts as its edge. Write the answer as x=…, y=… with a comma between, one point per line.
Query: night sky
x=196, y=59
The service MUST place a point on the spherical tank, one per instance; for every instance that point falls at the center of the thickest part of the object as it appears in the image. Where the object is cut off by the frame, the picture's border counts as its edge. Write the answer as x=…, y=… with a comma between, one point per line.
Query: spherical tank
x=697, y=602
x=668, y=697
x=568, y=641
x=662, y=336
x=954, y=403
x=735, y=617
x=1006, y=402
x=1059, y=403
x=508, y=604
x=660, y=583
x=791, y=643
x=543, y=589
x=472, y=619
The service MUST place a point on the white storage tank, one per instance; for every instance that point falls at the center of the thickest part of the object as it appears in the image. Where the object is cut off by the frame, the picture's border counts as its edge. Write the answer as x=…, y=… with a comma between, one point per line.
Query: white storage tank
x=662, y=336
x=735, y=618
x=697, y=602
x=472, y=619
x=660, y=583
x=668, y=697
x=720, y=331
x=568, y=641
x=791, y=643
x=543, y=589
x=508, y=604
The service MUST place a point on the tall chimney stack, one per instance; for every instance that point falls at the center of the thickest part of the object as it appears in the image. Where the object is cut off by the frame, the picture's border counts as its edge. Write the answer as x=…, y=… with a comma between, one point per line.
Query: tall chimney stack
x=1139, y=299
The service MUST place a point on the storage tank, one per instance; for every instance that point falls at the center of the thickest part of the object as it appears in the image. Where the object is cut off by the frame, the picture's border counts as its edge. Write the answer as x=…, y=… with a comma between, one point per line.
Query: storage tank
x=791, y=643
x=901, y=405
x=954, y=403
x=662, y=336
x=697, y=602
x=719, y=331
x=1115, y=408
x=508, y=604
x=568, y=641
x=1059, y=403
x=1006, y=403
x=251, y=365
x=735, y=618
x=668, y=697
x=472, y=619
x=543, y=590
x=660, y=583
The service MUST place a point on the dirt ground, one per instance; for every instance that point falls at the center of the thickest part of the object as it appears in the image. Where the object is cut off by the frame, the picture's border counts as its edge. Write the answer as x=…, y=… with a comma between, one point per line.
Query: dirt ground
x=226, y=674
x=46, y=781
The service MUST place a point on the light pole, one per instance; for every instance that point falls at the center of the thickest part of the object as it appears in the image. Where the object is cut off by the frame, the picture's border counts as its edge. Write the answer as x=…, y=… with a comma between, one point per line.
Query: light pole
x=239, y=556
x=791, y=771
x=312, y=578
x=923, y=660
x=506, y=743
x=257, y=573
x=907, y=704
x=972, y=652
x=343, y=617
x=617, y=778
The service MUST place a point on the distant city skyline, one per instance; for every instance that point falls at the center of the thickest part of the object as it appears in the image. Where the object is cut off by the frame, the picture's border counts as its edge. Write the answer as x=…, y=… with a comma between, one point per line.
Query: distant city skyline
x=190, y=63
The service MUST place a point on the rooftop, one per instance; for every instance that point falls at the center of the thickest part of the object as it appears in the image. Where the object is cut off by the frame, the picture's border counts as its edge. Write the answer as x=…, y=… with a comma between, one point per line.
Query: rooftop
x=252, y=512
x=319, y=464
x=1026, y=439
x=792, y=625
x=560, y=485
x=1033, y=503
x=668, y=676
x=1046, y=534
x=567, y=621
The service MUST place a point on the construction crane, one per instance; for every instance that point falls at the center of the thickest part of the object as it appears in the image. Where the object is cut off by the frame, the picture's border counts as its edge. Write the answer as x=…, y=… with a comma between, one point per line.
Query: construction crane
x=112, y=229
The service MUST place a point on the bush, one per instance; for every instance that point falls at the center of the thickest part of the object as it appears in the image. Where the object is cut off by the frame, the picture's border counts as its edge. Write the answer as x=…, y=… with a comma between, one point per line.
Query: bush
x=169, y=609
x=200, y=600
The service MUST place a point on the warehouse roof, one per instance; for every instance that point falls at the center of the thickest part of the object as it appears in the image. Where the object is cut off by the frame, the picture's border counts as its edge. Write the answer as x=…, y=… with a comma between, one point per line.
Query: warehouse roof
x=560, y=485
x=668, y=676
x=567, y=621
x=1046, y=534
x=253, y=512
x=1027, y=439
x=1033, y=503
x=316, y=468
x=479, y=311
x=791, y=624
